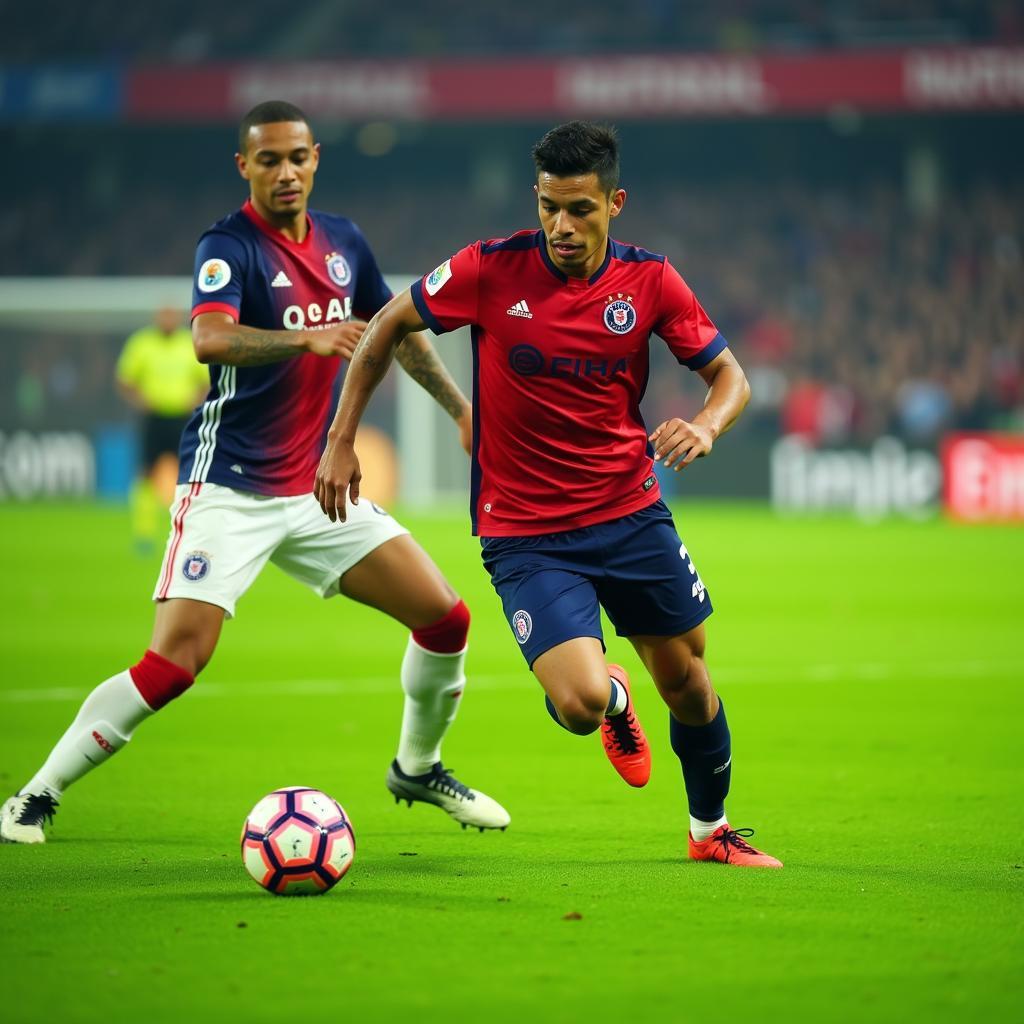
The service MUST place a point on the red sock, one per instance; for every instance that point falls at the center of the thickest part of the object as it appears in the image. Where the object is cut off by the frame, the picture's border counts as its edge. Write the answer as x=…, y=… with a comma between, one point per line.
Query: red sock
x=158, y=680
x=447, y=635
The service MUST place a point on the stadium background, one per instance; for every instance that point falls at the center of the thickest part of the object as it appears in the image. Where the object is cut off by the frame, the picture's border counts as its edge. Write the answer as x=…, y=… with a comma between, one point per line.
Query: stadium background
x=840, y=183
x=840, y=186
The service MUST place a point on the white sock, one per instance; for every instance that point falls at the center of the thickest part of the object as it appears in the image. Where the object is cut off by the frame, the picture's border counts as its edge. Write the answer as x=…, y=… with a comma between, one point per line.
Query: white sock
x=104, y=724
x=433, y=686
x=701, y=830
x=617, y=699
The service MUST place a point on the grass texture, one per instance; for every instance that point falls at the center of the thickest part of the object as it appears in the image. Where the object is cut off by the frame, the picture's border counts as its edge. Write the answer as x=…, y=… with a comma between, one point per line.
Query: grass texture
x=873, y=677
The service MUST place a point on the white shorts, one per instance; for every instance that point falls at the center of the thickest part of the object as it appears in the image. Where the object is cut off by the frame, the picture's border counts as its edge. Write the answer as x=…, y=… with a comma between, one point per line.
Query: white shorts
x=221, y=539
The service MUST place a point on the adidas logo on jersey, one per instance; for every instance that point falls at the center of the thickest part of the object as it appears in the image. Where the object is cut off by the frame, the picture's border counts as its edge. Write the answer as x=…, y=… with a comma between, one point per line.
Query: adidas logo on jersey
x=520, y=309
x=281, y=281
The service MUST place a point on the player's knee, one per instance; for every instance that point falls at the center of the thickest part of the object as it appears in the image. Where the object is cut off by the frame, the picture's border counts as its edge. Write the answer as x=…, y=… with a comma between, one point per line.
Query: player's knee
x=448, y=634
x=187, y=647
x=687, y=681
x=691, y=696
x=160, y=680
x=689, y=673
x=581, y=713
x=680, y=668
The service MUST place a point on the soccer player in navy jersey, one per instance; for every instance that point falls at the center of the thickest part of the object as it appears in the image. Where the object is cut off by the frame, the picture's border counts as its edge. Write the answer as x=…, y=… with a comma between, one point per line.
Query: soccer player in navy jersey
x=276, y=288
x=563, y=494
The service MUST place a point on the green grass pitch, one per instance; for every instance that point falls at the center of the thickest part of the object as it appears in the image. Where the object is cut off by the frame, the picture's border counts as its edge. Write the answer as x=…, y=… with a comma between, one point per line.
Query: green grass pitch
x=873, y=677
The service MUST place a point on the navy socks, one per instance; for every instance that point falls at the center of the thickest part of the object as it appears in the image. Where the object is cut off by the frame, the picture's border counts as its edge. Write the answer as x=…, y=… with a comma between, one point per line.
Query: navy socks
x=705, y=752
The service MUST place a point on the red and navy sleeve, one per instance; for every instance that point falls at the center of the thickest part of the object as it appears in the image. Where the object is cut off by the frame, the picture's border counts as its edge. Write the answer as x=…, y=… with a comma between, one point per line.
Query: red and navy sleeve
x=372, y=292
x=447, y=297
x=683, y=325
x=221, y=263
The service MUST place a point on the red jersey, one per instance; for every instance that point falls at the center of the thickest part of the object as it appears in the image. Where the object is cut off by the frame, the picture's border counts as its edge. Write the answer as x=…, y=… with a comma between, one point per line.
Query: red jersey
x=560, y=365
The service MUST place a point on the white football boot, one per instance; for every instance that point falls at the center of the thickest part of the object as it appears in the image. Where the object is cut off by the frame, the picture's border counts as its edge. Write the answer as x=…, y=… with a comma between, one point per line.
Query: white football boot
x=21, y=819
x=439, y=787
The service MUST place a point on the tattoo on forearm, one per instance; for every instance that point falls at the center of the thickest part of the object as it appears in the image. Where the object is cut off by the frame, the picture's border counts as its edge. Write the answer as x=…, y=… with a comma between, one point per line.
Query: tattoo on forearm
x=365, y=357
x=254, y=347
x=432, y=375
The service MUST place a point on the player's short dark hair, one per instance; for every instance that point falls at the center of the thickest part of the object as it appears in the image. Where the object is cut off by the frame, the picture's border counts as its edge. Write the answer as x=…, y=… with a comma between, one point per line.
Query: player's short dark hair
x=268, y=112
x=580, y=147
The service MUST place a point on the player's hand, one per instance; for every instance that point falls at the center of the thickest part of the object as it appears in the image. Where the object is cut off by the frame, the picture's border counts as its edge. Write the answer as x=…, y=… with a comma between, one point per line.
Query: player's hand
x=677, y=443
x=336, y=341
x=465, y=424
x=337, y=475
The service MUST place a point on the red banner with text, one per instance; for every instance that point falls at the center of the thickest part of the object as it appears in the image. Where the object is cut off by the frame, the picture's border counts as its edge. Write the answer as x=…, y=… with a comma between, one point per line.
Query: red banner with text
x=695, y=85
x=984, y=477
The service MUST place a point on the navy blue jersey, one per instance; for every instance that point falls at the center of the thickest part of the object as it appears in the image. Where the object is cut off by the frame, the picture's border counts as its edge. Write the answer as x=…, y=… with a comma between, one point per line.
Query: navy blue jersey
x=262, y=428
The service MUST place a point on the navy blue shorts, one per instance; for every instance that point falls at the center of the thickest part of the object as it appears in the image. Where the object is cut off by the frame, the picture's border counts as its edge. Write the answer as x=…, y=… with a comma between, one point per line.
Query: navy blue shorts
x=553, y=586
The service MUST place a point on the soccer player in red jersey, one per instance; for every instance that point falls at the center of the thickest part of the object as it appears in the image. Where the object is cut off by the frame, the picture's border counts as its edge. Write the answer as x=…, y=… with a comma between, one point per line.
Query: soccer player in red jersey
x=276, y=286
x=564, y=496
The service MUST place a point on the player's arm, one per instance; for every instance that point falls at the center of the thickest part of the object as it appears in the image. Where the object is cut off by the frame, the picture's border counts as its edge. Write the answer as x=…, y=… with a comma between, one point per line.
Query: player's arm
x=218, y=338
x=418, y=357
x=678, y=442
x=338, y=473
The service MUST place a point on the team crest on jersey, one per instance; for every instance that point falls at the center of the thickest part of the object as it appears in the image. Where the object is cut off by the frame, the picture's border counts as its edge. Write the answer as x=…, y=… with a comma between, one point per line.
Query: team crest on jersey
x=438, y=277
x=196, y=566
x=213, y=275
x=619, y=314
x=338, y=269
x=523, y=625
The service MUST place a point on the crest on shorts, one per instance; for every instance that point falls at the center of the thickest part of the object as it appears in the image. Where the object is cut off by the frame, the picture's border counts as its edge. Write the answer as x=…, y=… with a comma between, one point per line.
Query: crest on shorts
x=523, y=625
x=196, y=566
x=338, y=269
x=213, y=275
x=619, y=314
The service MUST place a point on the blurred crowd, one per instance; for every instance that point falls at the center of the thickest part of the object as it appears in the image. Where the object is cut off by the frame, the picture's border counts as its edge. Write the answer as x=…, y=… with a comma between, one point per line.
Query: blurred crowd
x=854, y=314
x=190, y=31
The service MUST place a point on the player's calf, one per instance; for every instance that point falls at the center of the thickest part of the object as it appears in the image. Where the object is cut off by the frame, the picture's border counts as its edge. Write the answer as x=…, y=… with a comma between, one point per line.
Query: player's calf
x=104, y=724
x=433, y=679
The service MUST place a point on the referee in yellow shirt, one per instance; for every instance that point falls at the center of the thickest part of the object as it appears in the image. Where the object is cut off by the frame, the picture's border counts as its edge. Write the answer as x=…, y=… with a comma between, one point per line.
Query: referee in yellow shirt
x=158, y=373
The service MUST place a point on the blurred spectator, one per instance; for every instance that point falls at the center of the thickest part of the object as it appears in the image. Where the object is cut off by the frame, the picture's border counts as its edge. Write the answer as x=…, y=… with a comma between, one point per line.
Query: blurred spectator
x=924, y=408
x=157, y=372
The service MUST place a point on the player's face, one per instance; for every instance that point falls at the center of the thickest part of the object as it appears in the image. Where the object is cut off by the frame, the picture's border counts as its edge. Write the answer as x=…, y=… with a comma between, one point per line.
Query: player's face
x=279, y=162
x=575, y=213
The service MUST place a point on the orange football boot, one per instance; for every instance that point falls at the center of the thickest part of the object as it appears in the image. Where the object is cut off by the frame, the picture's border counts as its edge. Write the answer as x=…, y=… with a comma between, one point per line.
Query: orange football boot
x=727, y=846
x=624, y=739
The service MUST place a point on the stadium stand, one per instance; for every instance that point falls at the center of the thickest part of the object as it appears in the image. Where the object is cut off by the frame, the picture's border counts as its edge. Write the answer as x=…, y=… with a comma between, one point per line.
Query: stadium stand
x=192, y=31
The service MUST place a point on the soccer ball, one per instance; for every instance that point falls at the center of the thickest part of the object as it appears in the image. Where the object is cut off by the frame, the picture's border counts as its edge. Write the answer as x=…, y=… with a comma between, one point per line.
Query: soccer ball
x=297, y=840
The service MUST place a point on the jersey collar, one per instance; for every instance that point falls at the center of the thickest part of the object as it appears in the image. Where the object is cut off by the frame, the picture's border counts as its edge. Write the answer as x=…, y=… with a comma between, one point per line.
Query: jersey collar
x=268, y=229
x=564, y=278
